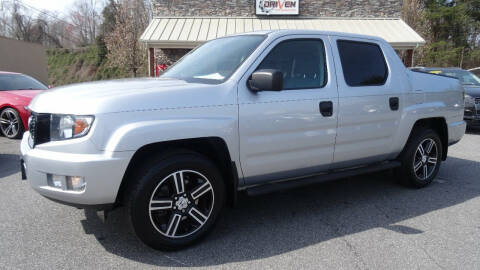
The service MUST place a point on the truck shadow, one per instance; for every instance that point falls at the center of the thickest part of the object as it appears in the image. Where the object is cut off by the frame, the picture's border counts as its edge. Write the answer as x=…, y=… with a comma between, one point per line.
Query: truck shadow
x=266, y=226
x=9, y=164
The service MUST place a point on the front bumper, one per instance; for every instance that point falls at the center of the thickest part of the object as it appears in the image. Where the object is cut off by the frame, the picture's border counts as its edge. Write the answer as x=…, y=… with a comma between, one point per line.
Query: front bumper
x=472, y=119
x=472, y=115
x=473, y=122
x=103, y=173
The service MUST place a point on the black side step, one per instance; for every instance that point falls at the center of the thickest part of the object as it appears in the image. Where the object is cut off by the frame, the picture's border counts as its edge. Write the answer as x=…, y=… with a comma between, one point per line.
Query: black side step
x=318, y=178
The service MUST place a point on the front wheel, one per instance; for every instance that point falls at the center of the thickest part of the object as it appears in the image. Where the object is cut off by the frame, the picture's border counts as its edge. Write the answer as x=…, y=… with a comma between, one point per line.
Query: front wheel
x=421, y=158
x=11, y=124
x=176, y=200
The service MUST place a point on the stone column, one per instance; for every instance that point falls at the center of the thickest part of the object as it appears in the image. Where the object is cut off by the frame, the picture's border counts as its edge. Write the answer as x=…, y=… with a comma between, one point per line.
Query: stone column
x=408, y=58
x=151, y=62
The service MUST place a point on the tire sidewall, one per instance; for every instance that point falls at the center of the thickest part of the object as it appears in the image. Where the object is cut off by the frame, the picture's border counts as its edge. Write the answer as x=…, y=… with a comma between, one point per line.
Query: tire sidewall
x=153, y=174
x=20, y=124
x=408, y=161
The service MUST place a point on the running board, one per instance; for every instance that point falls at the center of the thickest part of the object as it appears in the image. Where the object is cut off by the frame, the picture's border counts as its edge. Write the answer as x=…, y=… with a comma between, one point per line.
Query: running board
x=319, y=178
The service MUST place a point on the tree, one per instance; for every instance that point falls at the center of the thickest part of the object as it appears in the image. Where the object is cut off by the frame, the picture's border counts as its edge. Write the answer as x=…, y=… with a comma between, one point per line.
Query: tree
x=450, y=28
x=4, y=18
x=85, y=19
x=454, y=31
x=123, y=45
x=18, y=21
x=449, y=21
x=22, y=25
x=413, y=13
x=109, y=14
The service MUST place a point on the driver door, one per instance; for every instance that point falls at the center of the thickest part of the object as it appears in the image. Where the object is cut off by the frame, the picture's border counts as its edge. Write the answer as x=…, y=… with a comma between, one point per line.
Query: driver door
x=283, y=133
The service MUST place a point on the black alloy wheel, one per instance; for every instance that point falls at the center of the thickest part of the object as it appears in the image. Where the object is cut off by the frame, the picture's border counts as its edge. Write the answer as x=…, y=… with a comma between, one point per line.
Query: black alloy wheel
x=175, y=199
x=421, y=158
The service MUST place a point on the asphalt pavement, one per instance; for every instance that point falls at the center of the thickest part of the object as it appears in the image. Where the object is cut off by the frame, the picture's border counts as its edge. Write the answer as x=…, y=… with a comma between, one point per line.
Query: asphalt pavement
x=364, y=222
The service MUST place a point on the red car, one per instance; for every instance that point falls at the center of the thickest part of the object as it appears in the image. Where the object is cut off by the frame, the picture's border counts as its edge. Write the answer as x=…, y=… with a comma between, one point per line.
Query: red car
x=16, y=92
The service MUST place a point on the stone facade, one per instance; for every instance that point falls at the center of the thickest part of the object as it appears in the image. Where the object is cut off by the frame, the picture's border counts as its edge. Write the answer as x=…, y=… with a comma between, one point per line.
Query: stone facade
x=308, y=8
x=246, y=8
x=169, y=56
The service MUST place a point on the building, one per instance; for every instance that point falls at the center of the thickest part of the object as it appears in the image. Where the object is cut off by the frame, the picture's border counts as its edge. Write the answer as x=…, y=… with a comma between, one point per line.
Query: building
x=181, y=25
x=23, y=57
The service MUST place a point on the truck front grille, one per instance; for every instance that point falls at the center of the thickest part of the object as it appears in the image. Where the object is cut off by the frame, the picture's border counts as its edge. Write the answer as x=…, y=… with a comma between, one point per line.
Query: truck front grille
x=39, y=127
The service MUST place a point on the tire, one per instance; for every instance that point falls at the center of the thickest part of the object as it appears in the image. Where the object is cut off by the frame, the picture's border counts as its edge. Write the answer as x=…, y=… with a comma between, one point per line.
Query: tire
x=168, y=215
x=418, y=170
x=11, y=125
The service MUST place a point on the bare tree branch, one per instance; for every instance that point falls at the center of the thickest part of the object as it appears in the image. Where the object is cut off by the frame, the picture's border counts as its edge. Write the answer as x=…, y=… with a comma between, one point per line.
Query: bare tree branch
x=124, y=48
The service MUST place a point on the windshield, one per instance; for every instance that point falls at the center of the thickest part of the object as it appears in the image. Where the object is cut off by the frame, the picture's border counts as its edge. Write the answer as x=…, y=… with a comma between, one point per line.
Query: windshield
x=465, y=77
x=19, y=82
x=215, y=61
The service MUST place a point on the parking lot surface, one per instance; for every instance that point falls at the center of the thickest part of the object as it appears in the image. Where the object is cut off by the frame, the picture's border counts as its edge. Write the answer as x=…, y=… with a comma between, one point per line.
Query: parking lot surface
x=365, y=222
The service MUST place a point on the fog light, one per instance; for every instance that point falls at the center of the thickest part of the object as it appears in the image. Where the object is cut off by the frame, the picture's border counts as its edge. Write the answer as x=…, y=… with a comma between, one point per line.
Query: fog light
x=75, y=183
x=72, y=183
x=56, y=181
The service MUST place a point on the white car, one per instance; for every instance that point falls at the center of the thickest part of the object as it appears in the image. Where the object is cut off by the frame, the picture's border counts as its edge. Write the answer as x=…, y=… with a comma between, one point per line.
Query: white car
x=255, y=112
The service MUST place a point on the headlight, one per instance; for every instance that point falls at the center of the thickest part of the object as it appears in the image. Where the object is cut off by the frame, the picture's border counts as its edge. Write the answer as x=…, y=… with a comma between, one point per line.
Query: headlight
x=63, y=127
x=469, y=99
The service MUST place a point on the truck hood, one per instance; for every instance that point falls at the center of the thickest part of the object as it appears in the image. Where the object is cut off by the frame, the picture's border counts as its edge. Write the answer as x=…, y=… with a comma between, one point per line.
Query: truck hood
x=127, y=95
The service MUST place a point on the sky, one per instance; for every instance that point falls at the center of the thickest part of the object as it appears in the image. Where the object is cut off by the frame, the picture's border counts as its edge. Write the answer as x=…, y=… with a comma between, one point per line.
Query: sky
x=60, y=6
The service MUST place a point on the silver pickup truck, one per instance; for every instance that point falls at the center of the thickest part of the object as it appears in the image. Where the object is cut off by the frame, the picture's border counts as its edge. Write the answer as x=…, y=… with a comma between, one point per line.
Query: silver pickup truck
x=256, y=112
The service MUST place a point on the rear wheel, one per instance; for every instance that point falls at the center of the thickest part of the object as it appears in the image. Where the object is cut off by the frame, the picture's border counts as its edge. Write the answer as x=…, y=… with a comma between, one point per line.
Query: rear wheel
x=176, y=200
x=421, y=158
x=11, y=124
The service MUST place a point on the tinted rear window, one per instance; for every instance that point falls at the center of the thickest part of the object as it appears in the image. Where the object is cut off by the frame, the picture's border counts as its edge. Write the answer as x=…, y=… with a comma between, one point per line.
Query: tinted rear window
x=363, y=63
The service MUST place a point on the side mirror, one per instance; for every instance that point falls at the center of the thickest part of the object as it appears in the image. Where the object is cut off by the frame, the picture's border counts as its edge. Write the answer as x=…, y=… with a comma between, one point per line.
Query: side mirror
x=266, y=80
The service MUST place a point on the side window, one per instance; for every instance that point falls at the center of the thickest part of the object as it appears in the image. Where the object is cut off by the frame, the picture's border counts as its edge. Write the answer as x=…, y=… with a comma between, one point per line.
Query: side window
x=363, y=63
x=302, y=62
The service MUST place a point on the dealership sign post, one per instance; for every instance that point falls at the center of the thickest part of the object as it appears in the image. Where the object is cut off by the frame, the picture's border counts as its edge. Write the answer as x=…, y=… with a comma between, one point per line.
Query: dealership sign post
x=277, y=7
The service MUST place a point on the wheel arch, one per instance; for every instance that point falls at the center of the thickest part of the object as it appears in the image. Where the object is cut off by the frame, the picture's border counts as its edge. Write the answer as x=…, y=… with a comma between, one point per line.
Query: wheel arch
x=7, y=106
x=439, y=125
x=18, y=108
x=214, y=148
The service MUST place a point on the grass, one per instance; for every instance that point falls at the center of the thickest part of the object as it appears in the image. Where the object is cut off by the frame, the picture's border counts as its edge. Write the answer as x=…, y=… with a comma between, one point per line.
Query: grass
x=66, y=66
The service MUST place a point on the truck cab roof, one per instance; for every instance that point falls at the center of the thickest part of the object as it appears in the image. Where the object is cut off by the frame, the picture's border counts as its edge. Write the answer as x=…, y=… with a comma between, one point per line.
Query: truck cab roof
x=285, y=32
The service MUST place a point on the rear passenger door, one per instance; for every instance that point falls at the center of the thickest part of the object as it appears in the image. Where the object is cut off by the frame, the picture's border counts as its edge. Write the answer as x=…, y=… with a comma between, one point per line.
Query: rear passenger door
x=284, y=133
x=370, y=101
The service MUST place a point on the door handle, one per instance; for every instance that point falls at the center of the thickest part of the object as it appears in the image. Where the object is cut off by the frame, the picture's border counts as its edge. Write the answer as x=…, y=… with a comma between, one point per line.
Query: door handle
x=326, y=108
x=394, y=103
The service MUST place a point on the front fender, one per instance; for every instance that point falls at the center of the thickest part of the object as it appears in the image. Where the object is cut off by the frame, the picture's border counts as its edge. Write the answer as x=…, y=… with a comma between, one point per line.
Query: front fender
x=135, y=135
x=129, y=131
